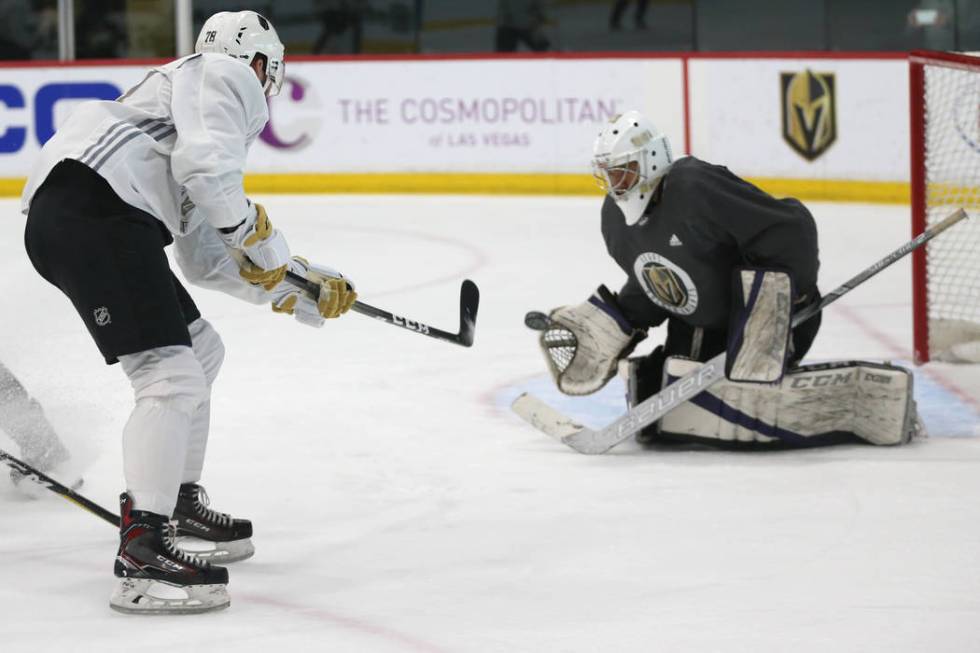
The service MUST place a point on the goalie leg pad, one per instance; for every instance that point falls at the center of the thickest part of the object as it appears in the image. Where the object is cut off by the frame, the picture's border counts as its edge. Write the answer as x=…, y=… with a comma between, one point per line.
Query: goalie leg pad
x=758, y=335
x=813, y=405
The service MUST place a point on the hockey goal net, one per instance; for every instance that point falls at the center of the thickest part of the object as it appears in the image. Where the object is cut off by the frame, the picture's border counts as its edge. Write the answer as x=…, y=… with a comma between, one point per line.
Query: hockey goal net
x=945, y=156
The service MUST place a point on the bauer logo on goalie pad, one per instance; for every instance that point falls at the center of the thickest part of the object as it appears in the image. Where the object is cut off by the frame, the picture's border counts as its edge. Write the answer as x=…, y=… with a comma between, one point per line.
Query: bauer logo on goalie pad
x=809, y=112
x=666, y=283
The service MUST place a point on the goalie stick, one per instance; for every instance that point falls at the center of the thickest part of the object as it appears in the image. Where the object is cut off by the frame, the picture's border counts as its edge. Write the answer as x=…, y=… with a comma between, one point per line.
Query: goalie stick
x=588, y=441
x=469, y=302
x=46, y=481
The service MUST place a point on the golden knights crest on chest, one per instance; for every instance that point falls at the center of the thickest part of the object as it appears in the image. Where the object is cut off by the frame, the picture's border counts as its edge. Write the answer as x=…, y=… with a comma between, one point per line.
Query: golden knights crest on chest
x=666, y=283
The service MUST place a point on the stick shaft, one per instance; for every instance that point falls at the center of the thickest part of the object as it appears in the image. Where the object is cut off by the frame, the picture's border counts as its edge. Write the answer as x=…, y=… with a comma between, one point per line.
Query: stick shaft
x=878, y=266
x=41, y=479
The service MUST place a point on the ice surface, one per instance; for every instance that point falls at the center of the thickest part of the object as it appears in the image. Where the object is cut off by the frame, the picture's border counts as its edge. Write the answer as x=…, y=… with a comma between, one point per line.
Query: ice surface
x=398, y=506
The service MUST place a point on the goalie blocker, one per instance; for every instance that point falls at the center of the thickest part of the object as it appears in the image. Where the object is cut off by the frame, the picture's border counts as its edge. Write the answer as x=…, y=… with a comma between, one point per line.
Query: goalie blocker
x=813, y=405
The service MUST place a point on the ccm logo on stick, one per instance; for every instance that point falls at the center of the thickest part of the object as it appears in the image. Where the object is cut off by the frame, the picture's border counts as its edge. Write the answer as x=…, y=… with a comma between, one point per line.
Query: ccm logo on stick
x=410, y=324
x=13, y=136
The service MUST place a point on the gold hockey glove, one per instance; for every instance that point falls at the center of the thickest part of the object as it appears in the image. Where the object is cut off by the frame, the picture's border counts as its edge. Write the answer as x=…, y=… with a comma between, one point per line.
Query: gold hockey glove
x=335, y=298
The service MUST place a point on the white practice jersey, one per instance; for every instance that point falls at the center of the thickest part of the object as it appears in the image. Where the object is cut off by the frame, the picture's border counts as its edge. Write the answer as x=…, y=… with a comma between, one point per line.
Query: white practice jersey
x=174, y=146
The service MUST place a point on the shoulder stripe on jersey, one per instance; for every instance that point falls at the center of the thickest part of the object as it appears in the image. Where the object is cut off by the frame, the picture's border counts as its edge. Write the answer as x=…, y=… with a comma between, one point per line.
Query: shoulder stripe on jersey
x=124, y=137
x=147, y=126
x=169, y=132
x=156, y=129
x=109, y=138
x=107, y=134
x=130, y=133
x=160, y=137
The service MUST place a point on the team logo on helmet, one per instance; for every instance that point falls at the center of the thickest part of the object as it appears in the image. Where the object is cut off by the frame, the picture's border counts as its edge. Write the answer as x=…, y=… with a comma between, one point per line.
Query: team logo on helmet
x=809, y=112
x=666, y=284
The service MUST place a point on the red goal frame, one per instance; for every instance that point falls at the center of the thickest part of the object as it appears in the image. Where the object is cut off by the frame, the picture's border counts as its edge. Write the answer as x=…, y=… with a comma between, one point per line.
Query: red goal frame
x=920, y=296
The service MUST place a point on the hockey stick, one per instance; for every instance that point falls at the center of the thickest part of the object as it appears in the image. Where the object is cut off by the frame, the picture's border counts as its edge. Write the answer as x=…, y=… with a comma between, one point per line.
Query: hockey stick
x=584, y=440
x=32, y=474
x=469, y=302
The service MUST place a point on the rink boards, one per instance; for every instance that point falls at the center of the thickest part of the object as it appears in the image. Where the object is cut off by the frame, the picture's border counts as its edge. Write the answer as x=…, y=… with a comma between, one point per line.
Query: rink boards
x=814, y=125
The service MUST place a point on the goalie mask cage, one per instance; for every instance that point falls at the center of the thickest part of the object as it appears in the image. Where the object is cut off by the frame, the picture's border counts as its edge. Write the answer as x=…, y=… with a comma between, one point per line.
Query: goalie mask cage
x=945, y=157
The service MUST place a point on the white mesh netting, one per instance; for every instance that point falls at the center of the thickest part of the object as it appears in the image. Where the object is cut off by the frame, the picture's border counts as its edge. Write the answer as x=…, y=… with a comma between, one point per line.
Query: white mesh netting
x=952, y=162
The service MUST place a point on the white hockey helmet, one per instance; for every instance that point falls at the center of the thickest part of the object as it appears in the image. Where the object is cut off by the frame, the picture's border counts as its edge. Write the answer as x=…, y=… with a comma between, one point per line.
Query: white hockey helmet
x=628, y=158
x=242, y=35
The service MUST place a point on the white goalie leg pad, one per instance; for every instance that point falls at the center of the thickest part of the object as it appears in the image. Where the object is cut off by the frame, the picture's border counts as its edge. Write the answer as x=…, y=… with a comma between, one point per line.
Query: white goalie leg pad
x=759, y=333
x=584, y=343
x=145, y=596
x=814, y=404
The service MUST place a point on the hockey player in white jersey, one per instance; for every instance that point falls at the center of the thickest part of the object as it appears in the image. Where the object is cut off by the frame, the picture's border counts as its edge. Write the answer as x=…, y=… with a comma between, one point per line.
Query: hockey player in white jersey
x=117, y=183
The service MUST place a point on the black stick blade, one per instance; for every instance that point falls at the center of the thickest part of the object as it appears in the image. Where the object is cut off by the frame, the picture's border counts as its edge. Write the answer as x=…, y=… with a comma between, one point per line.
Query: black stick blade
x=469, y=304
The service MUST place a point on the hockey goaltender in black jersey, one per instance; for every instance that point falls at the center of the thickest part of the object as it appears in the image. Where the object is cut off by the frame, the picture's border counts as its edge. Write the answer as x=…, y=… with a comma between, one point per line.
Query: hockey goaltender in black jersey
x=701, y=223
x=724, y=264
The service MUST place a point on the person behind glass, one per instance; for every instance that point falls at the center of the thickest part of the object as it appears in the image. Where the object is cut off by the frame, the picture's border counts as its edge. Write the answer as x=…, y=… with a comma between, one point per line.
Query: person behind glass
x=619, y=8
x=521, y=22
x=341, y=26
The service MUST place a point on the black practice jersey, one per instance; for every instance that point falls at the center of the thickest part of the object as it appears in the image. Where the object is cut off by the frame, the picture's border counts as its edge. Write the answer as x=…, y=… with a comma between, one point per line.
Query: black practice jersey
x=701, y=224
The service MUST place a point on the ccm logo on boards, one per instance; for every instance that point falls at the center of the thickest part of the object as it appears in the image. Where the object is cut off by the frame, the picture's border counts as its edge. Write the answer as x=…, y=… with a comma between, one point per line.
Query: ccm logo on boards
x=13, y=134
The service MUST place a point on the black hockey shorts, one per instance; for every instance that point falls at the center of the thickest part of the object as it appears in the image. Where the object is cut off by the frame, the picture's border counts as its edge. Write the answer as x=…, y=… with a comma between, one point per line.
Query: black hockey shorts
x=108, y=258
x=703, y=345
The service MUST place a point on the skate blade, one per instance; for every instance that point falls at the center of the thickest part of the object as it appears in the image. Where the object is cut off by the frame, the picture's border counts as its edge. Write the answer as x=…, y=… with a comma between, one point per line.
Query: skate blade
x=216, y=552
x=152, y=597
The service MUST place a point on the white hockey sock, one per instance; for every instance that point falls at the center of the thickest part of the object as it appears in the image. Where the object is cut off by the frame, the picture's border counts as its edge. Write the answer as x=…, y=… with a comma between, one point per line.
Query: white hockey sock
x=197, y=444
x=154, y=450
x=210, y=353
x=169, y=387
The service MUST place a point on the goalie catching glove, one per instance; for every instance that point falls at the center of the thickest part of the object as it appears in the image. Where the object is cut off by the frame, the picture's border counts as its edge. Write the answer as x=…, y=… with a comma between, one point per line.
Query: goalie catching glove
x=336, y=295
x=266, y=251
x=583, y=344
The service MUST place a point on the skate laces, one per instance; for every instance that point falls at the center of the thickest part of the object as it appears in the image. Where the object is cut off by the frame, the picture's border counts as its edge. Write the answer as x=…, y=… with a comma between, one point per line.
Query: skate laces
x=169, y=543
x=202, y=502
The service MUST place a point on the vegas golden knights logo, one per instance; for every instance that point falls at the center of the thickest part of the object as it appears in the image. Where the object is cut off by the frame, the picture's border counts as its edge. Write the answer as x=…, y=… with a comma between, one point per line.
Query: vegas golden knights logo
x=809, y=112
x=666, y=285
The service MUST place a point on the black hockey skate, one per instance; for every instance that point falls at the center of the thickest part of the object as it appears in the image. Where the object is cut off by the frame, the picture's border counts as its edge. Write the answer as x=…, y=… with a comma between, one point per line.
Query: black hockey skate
x=207, y=533
x=157, y=578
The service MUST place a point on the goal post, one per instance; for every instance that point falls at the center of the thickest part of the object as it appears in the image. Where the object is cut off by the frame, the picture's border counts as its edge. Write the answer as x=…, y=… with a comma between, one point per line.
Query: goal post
x=944, y=99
